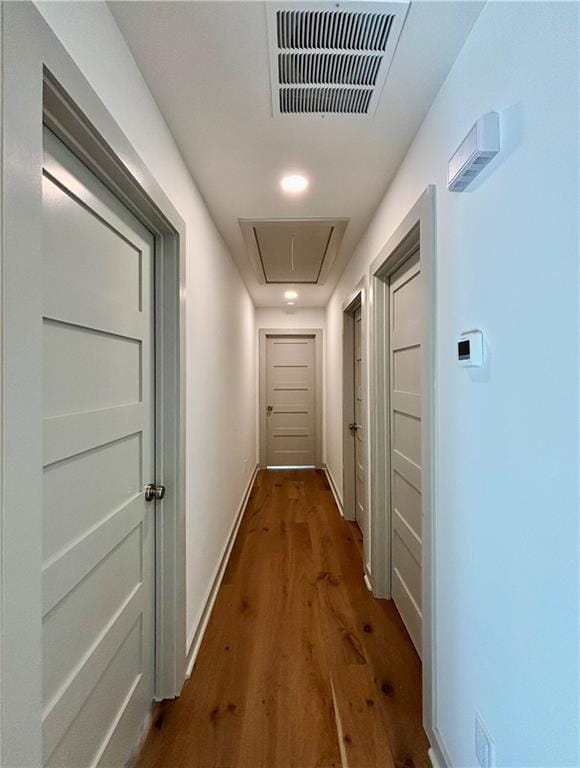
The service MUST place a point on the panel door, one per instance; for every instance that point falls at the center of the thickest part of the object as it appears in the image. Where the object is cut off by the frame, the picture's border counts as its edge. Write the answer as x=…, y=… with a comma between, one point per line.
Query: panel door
x=359, y=432
x=291, y=401
x=406, y=338
x=98, y=531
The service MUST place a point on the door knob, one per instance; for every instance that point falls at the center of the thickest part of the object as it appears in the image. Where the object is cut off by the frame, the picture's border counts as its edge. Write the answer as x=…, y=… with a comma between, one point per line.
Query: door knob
x=270, y=408
x=154, y=492
x=353, y=427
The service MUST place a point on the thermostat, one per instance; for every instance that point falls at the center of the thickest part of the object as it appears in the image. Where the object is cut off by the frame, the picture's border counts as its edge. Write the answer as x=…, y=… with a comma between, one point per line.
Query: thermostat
x=470, y=349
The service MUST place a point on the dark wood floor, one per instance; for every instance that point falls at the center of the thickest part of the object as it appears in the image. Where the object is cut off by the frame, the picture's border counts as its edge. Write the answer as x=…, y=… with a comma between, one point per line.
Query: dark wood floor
x=300, y=666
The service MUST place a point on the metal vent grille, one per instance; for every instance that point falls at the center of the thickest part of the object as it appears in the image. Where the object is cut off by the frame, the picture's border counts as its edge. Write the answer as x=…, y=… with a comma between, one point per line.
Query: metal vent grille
x=335, y=30
x=331, y=62
x=328, y=68
x=309, y=101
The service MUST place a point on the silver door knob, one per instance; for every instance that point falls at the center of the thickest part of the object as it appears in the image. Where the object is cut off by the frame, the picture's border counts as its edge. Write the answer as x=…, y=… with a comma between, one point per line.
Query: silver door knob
x=270, y=408
x=154, y=492
x=353, y=427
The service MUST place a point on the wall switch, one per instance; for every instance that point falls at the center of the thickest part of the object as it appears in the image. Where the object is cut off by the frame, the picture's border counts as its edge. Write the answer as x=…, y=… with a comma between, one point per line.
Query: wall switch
x=484, y=747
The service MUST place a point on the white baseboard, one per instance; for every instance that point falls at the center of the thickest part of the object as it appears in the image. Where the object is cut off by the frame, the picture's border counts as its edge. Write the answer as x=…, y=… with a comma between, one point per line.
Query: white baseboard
x=201, y=625
x=435, y=762
x=438, y=754
x=368, y=584
x=334, y=489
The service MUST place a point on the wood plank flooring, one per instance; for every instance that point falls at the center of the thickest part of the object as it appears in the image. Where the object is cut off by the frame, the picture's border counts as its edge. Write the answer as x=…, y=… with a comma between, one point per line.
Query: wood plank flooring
x=300, y=666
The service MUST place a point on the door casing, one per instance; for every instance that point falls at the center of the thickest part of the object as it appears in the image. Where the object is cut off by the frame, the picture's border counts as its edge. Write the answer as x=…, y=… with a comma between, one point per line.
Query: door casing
x=416, y=229
x=41, y=83
x=357, y=298
x=264, y=333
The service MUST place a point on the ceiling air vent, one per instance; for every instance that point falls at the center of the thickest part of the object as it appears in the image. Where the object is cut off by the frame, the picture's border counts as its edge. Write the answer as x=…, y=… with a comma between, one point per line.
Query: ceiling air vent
x=331, y=60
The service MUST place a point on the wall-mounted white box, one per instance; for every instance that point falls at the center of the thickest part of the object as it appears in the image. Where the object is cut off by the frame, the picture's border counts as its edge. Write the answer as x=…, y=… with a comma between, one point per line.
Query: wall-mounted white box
x=470, y=349
x=475, y=151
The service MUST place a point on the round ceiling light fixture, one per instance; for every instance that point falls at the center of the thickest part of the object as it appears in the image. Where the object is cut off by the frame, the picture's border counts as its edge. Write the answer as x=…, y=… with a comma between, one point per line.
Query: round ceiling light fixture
x=290, y=295
x=294, y=183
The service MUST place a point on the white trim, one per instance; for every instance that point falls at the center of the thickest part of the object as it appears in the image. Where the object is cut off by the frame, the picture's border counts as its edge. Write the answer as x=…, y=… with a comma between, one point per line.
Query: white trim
x=434, y=760
x=368, y=582
x=355, y=300
x=439, y=751
x=263, y=334
x=196, y=637
x=333, y=488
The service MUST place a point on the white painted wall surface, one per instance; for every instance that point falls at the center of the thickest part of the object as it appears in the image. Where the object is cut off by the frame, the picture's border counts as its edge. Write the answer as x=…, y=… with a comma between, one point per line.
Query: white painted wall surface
x=277, y=317
x=507, y=542
x=221, y=452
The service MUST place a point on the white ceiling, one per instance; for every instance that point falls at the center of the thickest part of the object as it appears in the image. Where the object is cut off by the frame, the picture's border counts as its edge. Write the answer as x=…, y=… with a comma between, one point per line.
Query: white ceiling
x=207, y=66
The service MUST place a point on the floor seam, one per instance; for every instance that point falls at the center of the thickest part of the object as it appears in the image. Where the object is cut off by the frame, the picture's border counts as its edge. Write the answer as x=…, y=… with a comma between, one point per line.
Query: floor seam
x=339, y=728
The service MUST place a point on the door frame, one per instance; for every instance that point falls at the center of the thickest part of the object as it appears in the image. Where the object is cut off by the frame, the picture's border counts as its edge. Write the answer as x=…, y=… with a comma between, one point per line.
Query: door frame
x=264, y=334
x=357, y=298
x=416, y=229
x=41, y=83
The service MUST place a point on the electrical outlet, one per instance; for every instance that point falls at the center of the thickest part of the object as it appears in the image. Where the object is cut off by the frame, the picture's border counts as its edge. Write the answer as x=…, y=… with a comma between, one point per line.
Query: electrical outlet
x=484, y=747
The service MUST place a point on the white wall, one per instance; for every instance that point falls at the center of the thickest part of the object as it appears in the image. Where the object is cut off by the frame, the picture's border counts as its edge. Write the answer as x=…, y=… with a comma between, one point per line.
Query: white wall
x=221, y=440
x=279, y=317
x=507, y=532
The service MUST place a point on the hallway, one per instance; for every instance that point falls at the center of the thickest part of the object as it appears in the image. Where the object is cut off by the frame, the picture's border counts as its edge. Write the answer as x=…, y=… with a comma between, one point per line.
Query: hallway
x=300, y=666
x=290, y=320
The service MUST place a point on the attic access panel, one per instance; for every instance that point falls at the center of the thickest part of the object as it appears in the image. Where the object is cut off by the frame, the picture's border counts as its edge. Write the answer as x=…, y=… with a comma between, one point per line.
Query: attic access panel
x=293, y=250
x=292, y=253
x=331, y=58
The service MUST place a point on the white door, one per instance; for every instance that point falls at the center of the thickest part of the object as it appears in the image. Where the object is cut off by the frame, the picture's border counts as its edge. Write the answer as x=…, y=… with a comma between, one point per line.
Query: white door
x=406, y=335
x=359, y=454
x=290, y=401
x=98, y=530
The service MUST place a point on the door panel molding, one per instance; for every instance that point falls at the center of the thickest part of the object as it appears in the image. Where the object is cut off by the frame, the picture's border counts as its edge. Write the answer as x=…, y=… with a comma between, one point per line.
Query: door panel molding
x=406, y=331
x=41, y=83
x=416, y=230
x=264, y=334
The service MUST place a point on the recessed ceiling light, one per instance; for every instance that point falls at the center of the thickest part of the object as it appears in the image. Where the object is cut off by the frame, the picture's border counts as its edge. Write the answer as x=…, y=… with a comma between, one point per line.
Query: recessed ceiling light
x=294, y=183
x=290, y=295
